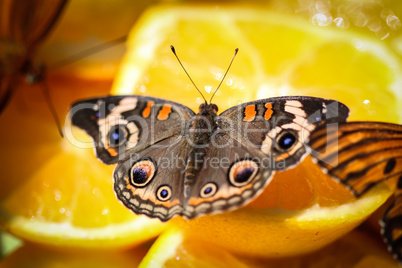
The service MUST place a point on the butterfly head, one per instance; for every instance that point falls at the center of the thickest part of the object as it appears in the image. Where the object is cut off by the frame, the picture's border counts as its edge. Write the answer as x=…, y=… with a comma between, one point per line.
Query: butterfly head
x=205, y=109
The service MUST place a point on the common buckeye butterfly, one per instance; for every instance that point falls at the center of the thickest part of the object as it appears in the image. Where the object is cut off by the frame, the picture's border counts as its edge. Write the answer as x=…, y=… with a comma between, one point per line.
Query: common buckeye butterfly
x=173, y=161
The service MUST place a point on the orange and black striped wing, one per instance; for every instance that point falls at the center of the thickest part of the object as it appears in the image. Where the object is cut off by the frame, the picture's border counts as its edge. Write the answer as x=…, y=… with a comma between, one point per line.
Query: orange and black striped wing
x=361, y=155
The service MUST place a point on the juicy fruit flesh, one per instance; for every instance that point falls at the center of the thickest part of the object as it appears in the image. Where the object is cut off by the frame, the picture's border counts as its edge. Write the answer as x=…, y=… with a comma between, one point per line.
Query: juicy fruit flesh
x=302, y=187
x=278, y=56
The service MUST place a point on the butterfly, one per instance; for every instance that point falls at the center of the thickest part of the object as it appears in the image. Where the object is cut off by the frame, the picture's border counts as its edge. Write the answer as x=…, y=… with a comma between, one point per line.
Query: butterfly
x=172, y=161
x=22, y=28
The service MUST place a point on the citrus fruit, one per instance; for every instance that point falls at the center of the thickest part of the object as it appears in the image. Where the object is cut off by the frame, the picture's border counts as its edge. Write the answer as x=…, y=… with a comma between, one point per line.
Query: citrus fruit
x=302, y=209
x=32, y=255
x=357, y=250
x=84, y=26
x=54, y=190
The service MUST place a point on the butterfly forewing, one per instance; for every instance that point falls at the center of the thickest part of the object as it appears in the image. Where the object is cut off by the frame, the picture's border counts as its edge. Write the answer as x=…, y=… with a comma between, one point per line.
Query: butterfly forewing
x=123, y=125
x=361, y=155
x=281, y=126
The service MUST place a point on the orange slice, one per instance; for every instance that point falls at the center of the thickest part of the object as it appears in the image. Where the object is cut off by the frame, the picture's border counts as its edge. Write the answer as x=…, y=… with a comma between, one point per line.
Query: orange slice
x=34, y=256
x=173, y=249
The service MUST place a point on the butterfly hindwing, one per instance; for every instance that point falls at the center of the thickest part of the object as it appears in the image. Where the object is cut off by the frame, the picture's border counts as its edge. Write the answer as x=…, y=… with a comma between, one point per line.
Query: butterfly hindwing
x=151, y=181
x=232, y=175
x=213, y=190
x=123, y=125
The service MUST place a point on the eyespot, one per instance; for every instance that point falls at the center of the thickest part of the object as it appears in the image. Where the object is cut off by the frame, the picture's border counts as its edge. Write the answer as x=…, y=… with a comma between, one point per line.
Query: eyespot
x=285, y=141
x=164, y=193
x=118, y=135
x=208, y=190
x=142, y=172
x=243, y=172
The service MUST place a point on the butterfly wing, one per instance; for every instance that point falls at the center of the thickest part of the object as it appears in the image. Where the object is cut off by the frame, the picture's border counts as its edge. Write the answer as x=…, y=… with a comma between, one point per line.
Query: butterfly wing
x=361, y=155
x=150, y=182
x=26, y=25
x=124, y=125
x=392, y=224
x=279, y=127
x=232, y=175
x=22, y=28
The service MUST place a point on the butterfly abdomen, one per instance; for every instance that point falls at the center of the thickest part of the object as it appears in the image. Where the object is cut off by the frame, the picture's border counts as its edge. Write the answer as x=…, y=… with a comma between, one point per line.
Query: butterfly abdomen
x=199, y=138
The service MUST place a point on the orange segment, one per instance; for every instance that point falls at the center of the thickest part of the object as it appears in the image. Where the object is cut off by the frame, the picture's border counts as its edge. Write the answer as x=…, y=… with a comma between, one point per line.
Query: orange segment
x=302, y=209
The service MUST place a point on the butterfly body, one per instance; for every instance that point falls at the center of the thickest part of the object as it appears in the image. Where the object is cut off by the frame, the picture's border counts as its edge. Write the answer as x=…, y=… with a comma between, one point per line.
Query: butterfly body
x=199, y=134
x=172, y=161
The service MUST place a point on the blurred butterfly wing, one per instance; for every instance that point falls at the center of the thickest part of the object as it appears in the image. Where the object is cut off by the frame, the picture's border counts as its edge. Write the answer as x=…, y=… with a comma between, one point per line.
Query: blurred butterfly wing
x=143, y=121
x=361, y=155
x=392, y=224
x=22, y=27
x=28, y=23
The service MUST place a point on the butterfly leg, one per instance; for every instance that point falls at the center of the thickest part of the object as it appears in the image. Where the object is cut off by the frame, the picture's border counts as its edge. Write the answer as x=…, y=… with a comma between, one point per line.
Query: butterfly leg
x=392, y=224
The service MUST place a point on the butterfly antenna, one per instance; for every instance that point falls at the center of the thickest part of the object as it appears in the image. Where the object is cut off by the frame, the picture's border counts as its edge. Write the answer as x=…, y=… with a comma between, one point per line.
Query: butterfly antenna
x=174, y=52
x=216, y=90
x=88, y=52
x=46, y=94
